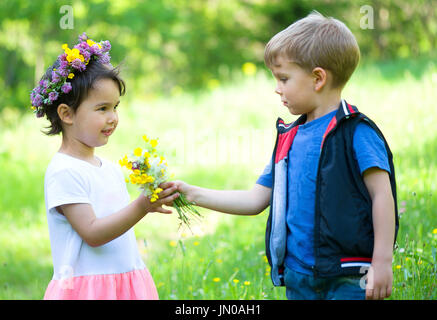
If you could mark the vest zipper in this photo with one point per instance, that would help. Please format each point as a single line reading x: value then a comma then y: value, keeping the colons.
x: 317, y: 213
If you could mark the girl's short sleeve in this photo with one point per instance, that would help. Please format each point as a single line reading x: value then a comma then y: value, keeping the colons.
x: 66, y: 187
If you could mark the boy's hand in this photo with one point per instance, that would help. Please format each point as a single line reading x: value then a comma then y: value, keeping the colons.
x: 166, y: 197
x: 379, y: 281
x: 183, y: 187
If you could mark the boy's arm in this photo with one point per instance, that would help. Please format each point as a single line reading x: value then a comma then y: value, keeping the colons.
x: 380, y: 275
x: 239, y: 202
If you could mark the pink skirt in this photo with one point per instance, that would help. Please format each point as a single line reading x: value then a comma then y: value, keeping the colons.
x: 133, y: 285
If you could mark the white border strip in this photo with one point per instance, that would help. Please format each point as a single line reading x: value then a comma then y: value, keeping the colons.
x: 355, y: 264
x: 346, y: 112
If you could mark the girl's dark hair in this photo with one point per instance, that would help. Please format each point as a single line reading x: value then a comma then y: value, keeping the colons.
x: 81, y: 84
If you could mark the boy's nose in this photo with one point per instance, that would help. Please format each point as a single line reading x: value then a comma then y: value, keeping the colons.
x: 278, y: 90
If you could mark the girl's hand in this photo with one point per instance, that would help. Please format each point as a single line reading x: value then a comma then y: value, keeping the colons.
x: 166, y: 197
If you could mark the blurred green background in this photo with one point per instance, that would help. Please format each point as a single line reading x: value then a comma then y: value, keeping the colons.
x: 196, y: 80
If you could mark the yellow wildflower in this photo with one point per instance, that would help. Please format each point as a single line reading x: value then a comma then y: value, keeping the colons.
x: 434, y: 231
x: 73, y: 54
x: 217, y: 279
x: 145, y: 138
x: 235, y: 281
x: 90, y: 42
x: 154, y: 143
x: 398, y: 267
x: 247, y: 283
x: 173, y: 243
x: 249, y: 68
x: 138, y: 151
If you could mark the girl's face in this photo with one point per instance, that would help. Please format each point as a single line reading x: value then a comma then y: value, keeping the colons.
x: 96, y: 118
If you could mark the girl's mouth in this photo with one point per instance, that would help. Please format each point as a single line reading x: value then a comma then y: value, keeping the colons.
x: 108, y: 132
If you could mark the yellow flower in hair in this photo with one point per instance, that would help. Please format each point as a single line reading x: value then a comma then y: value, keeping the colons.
x: 70, y: 75
x: 90, y: 42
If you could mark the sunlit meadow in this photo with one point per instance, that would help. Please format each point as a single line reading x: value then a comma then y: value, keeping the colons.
x: 223, y: 138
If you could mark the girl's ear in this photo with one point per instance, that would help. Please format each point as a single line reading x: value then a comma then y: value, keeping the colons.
x: 320, y: 76
x: 65, y: 113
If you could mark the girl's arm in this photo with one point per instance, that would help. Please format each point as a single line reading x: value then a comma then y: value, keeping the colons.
x: 380, y: 275
x: 239, y: 202
x: 98, y: 231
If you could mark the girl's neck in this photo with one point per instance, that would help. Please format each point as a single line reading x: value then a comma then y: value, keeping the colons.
x: 78, y: 150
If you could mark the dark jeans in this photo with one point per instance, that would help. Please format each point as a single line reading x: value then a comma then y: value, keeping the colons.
x: 301, y: 286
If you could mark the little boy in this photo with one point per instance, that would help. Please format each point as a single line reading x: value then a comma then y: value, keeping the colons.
x: 330, y: 183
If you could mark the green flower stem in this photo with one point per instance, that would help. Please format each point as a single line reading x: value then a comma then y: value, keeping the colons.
x: 186, y: 211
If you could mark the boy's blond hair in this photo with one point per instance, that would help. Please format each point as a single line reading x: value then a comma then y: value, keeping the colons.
x: 317, y: 41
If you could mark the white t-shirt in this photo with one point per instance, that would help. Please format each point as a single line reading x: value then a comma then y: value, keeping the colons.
x: 71, y: 180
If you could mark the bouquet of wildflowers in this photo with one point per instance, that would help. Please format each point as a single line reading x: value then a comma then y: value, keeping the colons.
x: 148, y: 171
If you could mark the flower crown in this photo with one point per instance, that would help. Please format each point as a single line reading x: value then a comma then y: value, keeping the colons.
x: 71, y: 61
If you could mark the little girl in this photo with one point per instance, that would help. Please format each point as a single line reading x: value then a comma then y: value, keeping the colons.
x: 90, y: 219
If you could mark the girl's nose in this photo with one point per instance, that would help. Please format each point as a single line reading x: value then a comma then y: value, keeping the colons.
x: 113, y: 117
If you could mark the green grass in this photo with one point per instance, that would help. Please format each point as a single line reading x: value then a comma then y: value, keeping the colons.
x: 222, y: 139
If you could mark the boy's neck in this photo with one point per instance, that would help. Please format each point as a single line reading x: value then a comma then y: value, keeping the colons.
x: 324, y: 106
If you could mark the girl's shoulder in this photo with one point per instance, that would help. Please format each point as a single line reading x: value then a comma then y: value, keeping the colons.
x: 62, y: 163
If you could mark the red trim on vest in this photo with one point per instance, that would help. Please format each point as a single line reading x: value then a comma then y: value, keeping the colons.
x: 284, y: 143
x: 331, y: 126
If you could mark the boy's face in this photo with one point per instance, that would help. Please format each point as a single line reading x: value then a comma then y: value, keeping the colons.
x: 294, y: 85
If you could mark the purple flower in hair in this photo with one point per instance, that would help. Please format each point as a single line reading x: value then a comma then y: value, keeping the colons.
x: 105, y: 58
x: 53, y: 96
x: 40, y: 113
x: 37, y: 100
x: 78, y: 65
x: 55, y: 77
x: 106, y: 46
x: 94, y: 49
x: 66, y: 87
x: 83, y: 37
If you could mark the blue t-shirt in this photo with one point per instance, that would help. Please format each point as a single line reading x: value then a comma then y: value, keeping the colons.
x: 304, y: 154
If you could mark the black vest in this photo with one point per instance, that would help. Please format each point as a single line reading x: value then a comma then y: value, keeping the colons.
x: 343, y: 228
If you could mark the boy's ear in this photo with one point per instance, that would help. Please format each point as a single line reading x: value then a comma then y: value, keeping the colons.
x: 65, y: 113
x: 320, y: 78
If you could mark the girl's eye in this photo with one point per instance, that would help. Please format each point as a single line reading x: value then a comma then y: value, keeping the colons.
x: 283, y: 80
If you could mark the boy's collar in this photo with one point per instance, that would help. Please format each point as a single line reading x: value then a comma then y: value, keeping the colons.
x: 345, y: 110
